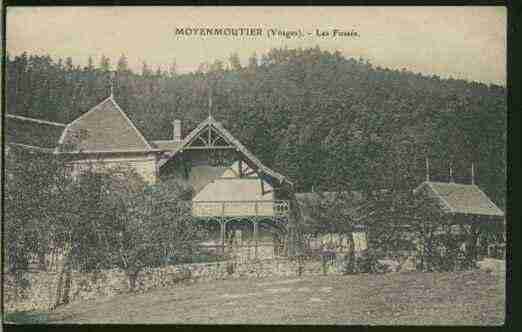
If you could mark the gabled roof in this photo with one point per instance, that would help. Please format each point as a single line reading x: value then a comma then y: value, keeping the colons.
x: 31, y: 133
x: 210, y: 121
x: 104, y: 128
x: 461, y: 198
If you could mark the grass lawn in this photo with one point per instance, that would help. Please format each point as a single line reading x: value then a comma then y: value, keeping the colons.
x: 467, y: 298
x: 26, y: 317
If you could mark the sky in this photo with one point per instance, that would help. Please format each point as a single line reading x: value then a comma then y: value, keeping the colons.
x: 462, y: 42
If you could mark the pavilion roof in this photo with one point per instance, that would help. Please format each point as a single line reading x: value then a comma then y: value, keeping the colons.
x: 460, y: 198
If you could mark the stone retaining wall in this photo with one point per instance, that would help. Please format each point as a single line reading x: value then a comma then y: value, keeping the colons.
x: 29, y: 290
x: 45, y: 290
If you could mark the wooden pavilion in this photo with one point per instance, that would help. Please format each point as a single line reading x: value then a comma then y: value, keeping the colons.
x: 230, y: 184
x: 467, y: 209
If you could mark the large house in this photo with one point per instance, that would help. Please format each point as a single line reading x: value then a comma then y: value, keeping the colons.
x: 229, y: 183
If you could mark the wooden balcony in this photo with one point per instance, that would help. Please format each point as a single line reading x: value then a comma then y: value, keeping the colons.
x: 207, y: 209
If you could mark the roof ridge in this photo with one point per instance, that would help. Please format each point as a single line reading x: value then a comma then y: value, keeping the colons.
x: 423, y: 183
x: 487, y: 197
x: 90, y: 110
x: 32, y: 147
x: 250, y: 155
x: 440, y: 197
x: 24, y: 118
x: 62, y: 137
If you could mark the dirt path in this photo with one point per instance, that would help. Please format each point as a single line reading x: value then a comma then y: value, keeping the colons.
x: 470, y: 298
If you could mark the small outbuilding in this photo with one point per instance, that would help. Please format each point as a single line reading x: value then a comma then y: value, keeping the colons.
x: 470, y: 214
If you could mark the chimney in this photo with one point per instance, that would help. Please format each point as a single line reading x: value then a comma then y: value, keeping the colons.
x: 472, y: 174
x: 176, y: 133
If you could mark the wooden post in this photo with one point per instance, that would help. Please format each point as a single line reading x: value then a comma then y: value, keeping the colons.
x: 255, y: 238
x: 427, y: 169
x: 290, y: 241
x: 223, y: 225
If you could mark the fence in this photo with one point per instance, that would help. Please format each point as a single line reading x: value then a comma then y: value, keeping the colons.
x: 50, y: 261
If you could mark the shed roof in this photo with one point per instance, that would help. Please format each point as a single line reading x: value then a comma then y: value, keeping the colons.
x: 461, y: 198
x: 104, y: 128
x: 201, y: 175
x: 32, y: 133
x: 228, y: 189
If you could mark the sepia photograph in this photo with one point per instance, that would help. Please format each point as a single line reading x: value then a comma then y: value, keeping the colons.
x: 254, y: 165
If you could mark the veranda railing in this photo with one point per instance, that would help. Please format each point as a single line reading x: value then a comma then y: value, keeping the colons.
x: 266, y: 208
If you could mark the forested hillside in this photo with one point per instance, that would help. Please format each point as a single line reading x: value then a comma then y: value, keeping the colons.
x: 324, y: 120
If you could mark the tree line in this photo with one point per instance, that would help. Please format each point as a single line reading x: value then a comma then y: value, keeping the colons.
x: 323, y: 119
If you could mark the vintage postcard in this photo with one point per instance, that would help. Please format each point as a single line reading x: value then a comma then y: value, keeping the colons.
x: 255, y: 165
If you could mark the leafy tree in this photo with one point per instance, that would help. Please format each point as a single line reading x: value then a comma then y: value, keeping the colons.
x: 102, y: 219
x: 252, y: 61
x: 105, y: 63
x: 123, y: 64
x: 90, y: 64
x: 151, y: 224
x: 158, y: 72
x: 69, y: 64
x: 145, y: 70
x: 173, y: 68
x: 235, y: 62
x: 35, y: 215
x: 217, y: 66
x: 124, y: 223
x: 332, y: 212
